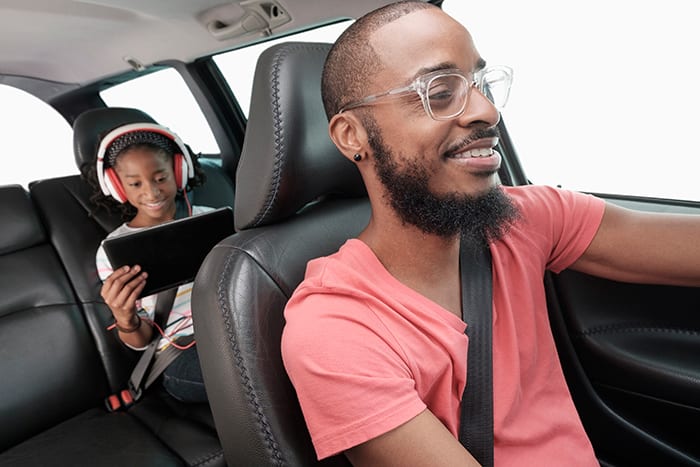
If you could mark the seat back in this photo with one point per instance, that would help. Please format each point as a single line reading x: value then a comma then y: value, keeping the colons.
x: 297, y: 198
x: 47, y: 352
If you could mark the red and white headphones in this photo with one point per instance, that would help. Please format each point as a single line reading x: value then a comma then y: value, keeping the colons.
x: 108, y: 178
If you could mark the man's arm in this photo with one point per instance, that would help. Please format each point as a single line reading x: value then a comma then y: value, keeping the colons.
x: 634, y: 246
x: 422, y: 441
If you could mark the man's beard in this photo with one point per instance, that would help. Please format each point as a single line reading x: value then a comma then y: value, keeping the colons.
x: 480, y: 218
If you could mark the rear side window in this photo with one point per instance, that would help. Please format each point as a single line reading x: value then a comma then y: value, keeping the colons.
x: 164, y: 95
x: 37, y: 140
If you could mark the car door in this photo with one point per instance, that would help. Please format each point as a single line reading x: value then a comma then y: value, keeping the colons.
x: 631, y: 356
x: 630, y: 352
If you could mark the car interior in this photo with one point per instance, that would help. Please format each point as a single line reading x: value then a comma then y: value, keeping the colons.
x: 256, y: 270
x: 70, y: 364
x: 629, y: 351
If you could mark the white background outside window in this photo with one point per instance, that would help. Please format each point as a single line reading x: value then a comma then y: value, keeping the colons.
x: 604, y: 97
x: 605, y: 94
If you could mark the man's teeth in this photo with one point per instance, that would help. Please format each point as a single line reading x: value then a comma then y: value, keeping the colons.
x: 480, y: 152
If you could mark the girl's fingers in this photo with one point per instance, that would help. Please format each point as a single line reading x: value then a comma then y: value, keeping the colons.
x: 126, y: 289
x: 121, y: 289
x: 136, y: 291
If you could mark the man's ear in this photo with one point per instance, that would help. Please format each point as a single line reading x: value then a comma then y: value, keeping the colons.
x: 348, y: 134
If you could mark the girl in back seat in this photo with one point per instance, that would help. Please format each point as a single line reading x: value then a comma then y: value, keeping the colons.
x: 147, y: 170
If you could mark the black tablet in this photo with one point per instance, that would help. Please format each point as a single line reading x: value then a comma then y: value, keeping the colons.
x: 171, y: 253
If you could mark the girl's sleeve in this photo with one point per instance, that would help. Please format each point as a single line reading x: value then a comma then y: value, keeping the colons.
x: 104, y: 267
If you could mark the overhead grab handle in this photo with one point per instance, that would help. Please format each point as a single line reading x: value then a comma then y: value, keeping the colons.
x: 261, y: 16
x: 251, y: 22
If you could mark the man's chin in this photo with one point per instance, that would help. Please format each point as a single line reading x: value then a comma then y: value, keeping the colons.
x: 488, y: 174
x: 481, y: 184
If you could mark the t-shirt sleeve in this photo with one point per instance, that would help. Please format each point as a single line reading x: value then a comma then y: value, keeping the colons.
x: 349, y: 375
x: 104, y: 267
x: 569, y: 219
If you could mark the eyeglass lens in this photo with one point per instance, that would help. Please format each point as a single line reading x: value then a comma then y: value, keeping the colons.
x: 447, y: 94
x: 495, y: 85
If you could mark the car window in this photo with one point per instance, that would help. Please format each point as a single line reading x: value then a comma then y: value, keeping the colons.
x: 238, y: 66
x: 164, y: 95
x: 604, y: 97
x: 37, y: 140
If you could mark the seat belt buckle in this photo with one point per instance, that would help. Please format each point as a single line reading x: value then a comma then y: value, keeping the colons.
x: 113, y: 403
x: 134, y: 393
x: 121, y: 400
x: 127, y: 398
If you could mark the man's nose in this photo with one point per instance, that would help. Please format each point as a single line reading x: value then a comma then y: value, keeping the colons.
x: 479, y: 109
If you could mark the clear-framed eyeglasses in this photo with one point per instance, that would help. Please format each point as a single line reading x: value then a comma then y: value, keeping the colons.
x: 445, y: 93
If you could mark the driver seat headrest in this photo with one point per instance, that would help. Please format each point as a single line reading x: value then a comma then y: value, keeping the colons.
x: 288, y: 159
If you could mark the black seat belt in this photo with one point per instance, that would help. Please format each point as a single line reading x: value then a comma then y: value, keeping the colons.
x: 476, y: 422
x: 150, y: 362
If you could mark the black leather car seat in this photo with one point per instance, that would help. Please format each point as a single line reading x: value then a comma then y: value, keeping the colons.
x: 60, y: 362
x: 297, y: 198
x: 53, y: 376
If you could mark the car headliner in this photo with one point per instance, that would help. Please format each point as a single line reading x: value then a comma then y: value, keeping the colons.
x: 77, y: 42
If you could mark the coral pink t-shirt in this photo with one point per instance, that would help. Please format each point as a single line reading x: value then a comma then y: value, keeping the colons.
x: 366, y: 353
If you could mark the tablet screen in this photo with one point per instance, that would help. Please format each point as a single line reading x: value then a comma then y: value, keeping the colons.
x: 171, y: 253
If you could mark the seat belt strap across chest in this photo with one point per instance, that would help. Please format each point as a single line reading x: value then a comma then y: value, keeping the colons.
x: 476, y: 419
x: 164, y: 304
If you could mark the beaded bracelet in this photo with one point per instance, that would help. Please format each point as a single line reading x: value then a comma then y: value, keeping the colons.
x: 131, y: 329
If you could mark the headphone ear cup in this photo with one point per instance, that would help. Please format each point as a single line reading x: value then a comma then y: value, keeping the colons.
x: 181, y: 171
x: 114, y: 185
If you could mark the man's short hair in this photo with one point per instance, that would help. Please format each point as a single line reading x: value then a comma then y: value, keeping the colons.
x: 351, y: 62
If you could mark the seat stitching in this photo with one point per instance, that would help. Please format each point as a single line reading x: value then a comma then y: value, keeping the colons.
x: 278, y: 130
x: 251, y: 395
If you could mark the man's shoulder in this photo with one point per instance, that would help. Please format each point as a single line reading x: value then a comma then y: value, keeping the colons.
x: 533, y: 191
x: 536, y: 197
x: 340, y: 268
x: 338, y: 276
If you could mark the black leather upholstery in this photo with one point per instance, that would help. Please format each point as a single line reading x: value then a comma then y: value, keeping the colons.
x: 297, y: 198
x: 53, y: 380
x: 57, y: 360
x: 288, y: 159
x: 91, y: 125
x: 46, y: 351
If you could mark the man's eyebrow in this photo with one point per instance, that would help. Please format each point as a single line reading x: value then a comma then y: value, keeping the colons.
x: 437, y: 67
x: 480, y: 65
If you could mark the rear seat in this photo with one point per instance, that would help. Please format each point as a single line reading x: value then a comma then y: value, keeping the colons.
x: 58, y: 361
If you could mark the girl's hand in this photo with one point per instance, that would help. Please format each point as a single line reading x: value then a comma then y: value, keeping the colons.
x: 121, y: 290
